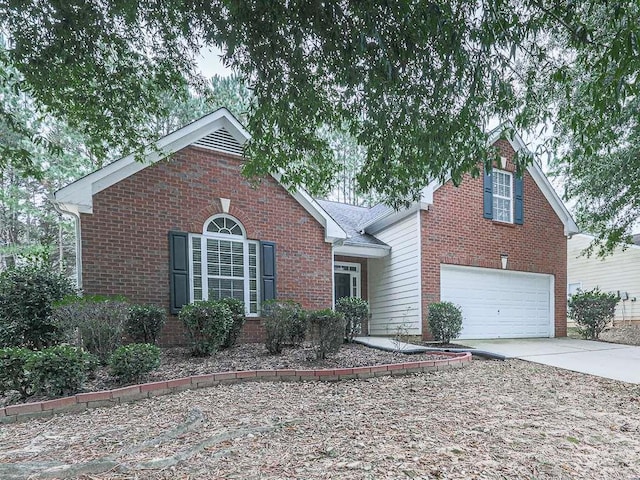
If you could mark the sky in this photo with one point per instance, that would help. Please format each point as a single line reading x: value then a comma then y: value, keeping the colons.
x: 210, y: 64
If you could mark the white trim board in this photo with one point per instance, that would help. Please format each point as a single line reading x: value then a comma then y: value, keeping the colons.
x: 78, y: 196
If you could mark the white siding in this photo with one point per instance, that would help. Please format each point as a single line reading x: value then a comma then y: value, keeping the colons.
x: 617, y: 272
x: 394, y: 281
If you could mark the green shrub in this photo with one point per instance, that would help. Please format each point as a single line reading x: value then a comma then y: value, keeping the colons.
x: 131, y: 362
x: 445, y: 321
x: 326, y: 331
x: 356, y: 312
x: 60, y: 370
x: 238, y: 314
x: 27, y: 294
x: 95, y: 323
x: 208, y: 324
x: 145, y: 322
x: 13, y: 372
x: 284, y: 322
x: 592, y: 310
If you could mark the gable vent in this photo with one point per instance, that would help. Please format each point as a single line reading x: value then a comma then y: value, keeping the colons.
x: 222, y: 141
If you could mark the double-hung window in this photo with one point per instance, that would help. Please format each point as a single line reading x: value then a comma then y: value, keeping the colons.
x: 502, y: 196
x: 224, y: 264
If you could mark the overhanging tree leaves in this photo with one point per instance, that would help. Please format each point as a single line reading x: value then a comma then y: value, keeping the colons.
x: 415, y: 83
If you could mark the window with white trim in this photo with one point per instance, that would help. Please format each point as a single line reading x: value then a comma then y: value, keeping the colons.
x: 224, y: 264
x: 502, y: 196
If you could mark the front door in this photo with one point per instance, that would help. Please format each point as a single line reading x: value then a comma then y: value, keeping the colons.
x: 342, y: 283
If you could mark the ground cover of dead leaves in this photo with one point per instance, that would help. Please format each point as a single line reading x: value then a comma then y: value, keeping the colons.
x: 489, y: 420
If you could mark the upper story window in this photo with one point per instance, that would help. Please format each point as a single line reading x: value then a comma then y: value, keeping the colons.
x: 502, y: 196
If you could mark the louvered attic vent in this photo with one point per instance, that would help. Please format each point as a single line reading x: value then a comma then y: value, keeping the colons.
x: 220, y: 140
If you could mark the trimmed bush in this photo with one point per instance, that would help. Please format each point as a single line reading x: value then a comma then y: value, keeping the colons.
x: 592, y: 311
x: 238, y: 314
x: 356, y: 312
x: 131, y: 362
x: 445, y: 321
x: 27, y: 295
x: 208, y: 324
x: 326, y: 331
x: 145, y: 322
x: 93, y: 322
x: 60, y: 370
x: 13, y: 372
x: 285, y: 323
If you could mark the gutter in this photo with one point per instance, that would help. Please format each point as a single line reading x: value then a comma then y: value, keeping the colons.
x: 76, y: 216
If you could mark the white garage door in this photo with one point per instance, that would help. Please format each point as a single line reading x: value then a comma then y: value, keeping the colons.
x: 499, y: 303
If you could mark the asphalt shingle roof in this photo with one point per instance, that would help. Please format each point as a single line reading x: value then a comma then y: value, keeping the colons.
x: 351, y: 218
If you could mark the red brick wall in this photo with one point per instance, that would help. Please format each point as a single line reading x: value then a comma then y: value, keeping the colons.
x: 125, y: 240
x: 455, y: 232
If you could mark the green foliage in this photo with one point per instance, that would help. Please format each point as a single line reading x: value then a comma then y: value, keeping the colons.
x: 208, y: 324
x: 145, y: 322
x: 13, y: 372
x: 238, y: 313
x: 445, y: 321
x: 592, y: 311
x: 284, y: 322
x: 60, y: 370
x: 356, y: 312
x: 27, y: 294
x: 93, y: 322
x: 413, y: 83
x: 131, y: 362
x: 326, y: 331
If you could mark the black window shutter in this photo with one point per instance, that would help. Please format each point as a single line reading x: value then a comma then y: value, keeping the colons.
x: 518, y: 210
x: 487, y: 199
x: 178, y: 270
x: 268, y: 256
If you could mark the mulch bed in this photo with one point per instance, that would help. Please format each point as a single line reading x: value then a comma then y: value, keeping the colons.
x: 177, y: 363
x: 489, y: 420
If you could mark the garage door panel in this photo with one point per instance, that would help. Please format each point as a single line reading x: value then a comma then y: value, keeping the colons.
x: 498, y: 303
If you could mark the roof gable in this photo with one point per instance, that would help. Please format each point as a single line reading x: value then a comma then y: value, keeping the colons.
x: 219, y: 131
x: 533, y: 169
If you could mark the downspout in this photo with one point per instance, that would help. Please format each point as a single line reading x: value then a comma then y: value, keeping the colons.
x: 78, y: 243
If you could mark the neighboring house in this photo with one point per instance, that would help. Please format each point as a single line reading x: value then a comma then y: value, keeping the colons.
x: 185, y: 226
x: 617, y: 273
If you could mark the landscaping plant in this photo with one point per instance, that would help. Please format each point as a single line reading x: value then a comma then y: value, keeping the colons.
x: 60, y: 370
x: 445, y: 321
x: 95, y: 323
x: 13, y: 372
x: 131, y: 362
x: 356, y: 312
x: 285, y: 323
x: 145, y: 322
x: 208, y: 324
x: 238, y: 314
x: 592, y: 311
x: 27, y: 295
x: 326, y: 331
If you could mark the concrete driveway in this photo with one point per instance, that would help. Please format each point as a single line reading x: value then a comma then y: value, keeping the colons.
x: 608, y: 360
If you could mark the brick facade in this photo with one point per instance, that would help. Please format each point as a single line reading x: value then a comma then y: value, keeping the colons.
x: 125, y: 240
x: 455, y: 232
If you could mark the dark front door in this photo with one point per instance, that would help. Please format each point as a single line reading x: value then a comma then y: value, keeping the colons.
x: 342, y: 285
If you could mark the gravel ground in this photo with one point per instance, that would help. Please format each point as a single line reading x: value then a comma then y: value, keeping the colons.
x: 489, y: 420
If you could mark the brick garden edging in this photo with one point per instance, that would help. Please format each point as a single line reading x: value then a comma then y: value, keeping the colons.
x: 106, y: 398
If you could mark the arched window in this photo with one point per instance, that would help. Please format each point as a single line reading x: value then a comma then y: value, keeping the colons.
x: 224, y: 263
x: 224, y: 225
